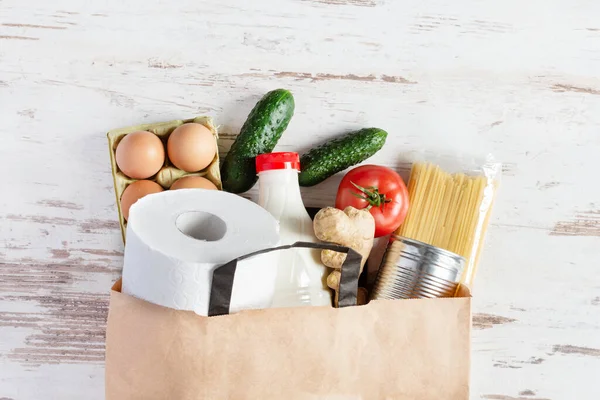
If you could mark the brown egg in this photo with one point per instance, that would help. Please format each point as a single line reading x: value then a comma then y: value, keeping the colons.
x: 191, y: 147
x: 193, y: 182
x: 136, y: 191
x: 140, y: 154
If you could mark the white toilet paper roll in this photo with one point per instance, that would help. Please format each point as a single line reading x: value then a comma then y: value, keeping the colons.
x: 176, y: 238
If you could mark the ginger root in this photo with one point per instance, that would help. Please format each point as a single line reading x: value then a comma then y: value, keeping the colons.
x: 351, y: 228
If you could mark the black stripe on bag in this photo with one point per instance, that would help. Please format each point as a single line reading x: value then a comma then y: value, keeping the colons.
x: 222, y: 281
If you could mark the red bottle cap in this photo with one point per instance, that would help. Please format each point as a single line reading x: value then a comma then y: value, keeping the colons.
x: 270, y: 161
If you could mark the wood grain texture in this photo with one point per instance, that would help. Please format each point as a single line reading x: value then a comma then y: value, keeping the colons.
x: 445, y: 78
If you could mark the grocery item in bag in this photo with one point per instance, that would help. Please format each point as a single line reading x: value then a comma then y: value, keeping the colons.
x: 451, y: 211
x: 191, y: 147
x: 138, y: 152
x: 413, y: 269
x: 352, y: 228
x: 300, y: 273
x: 264, y: 126
x: 176, y: 238
x: 140, y: 155
x: 379, y: 190
x: 340, y: 153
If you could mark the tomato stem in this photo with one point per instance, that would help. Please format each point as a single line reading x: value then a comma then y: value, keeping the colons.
x: 371, y: 195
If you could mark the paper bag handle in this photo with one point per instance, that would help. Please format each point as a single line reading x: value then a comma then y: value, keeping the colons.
x: 222, y: 281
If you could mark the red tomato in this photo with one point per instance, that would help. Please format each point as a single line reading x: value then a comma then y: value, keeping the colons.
x: 379, y: 189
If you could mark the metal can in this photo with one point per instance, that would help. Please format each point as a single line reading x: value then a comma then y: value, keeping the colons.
x: 412, y: 269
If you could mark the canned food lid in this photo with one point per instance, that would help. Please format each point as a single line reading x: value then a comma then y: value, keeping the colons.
x: 434, y: 256
x: 418, y: 243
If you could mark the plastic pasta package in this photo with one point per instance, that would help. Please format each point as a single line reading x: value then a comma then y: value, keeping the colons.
x: 450, y: 207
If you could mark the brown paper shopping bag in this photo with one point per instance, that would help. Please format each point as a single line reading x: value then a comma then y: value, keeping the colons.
x: 388, y: 349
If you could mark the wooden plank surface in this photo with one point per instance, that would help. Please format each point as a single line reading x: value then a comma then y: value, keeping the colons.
x: 445, y: 78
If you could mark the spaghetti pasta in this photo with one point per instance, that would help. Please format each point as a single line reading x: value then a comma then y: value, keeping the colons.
x: 448, y: 211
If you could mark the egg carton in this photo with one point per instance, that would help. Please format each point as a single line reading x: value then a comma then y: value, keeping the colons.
x: 168, y: 174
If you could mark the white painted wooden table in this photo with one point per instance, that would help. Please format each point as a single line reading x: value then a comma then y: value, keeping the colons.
x: 515, y: 78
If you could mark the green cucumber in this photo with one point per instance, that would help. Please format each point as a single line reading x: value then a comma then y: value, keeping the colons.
x: 259, y: 134
x: 338, y: 154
